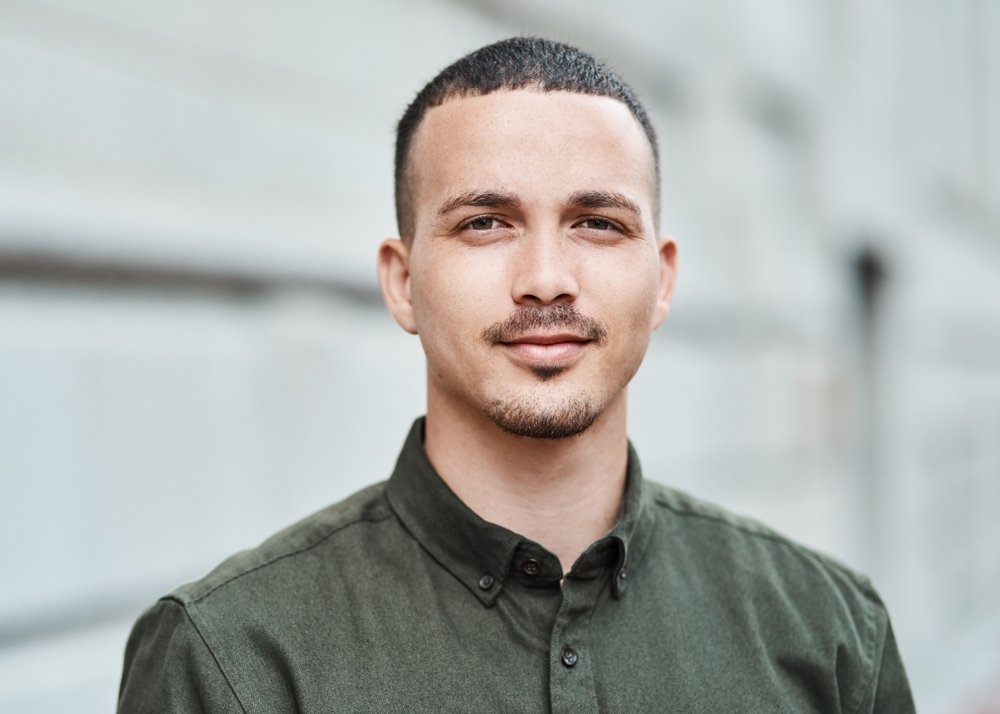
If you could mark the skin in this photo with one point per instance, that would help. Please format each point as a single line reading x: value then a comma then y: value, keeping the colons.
x: 537, y: 204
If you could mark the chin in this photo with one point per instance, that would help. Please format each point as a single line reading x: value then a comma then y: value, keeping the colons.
x: 535, y: 418
x: 545, y: 372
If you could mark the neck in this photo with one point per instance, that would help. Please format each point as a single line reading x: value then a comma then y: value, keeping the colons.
x: 563, y: 494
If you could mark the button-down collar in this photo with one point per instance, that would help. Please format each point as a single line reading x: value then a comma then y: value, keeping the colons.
x: 482, y: 555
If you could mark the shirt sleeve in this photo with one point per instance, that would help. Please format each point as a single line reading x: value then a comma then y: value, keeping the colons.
x: 170, y: 668
x: 892, y: 689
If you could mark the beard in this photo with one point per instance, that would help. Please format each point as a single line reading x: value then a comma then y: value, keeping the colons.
x: 531, y: 417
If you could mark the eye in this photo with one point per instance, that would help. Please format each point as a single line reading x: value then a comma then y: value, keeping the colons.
x: 595, y: 223
x: 482, y: 223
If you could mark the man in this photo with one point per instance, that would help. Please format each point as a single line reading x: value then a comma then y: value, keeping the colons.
x: 516, y: 560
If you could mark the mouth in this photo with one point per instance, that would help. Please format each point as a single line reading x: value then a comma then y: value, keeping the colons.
x: 554, y: 348
x: 546, y: 339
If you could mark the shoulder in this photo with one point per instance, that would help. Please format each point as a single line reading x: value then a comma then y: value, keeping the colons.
x: 808, y: 617
x: 340, y: 526
x: 715, y: 530
x: 739, y: 563
x: 804, y: 609
x: 256, y: 616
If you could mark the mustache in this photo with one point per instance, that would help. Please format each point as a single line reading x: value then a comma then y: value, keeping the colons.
x: 533, y: 317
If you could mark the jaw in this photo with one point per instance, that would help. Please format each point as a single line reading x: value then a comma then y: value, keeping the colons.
x: 541, y: 401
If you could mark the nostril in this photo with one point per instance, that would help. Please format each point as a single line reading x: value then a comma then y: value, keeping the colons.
x: 560, y: 299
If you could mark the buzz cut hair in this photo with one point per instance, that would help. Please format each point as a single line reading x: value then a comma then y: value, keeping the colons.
x: 515, y: 63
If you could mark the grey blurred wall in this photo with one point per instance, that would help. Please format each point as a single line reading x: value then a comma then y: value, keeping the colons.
x: 193, y: 353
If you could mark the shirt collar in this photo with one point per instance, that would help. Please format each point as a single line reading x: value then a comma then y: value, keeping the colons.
x: 481, y: 554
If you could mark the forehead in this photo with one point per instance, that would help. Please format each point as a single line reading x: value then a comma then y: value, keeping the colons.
x: 523, y: 140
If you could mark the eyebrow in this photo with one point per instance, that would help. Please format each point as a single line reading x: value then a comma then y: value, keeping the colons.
x: 487, y: 199
x: 603, y: 199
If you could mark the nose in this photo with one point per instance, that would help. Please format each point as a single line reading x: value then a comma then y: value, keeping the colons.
x: 544, y: 272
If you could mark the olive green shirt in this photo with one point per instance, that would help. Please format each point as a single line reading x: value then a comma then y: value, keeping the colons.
x: 402, y: 599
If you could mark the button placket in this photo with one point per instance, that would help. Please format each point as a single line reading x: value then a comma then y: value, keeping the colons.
x: 571, y: 676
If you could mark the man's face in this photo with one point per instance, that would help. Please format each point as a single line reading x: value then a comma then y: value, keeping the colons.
x: 534, y: 277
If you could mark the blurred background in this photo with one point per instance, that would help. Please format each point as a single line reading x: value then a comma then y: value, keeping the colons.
x: 193, y: 351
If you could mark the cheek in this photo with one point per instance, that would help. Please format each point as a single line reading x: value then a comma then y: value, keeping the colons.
x: 453, y: 303
x: 637, y: 324
x: 629, y: 296
x: 648, y: 291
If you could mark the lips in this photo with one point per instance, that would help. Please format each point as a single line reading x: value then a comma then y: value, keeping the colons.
x: 546, y: 337
x: 553, y: 339
x: 546, y: 348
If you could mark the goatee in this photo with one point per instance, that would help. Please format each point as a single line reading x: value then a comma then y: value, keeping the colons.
x: 529, y: 417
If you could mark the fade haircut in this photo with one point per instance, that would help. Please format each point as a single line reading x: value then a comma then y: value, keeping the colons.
x: 515, y: 63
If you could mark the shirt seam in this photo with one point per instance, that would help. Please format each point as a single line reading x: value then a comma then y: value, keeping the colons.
x: 204, y: 641
x: 869, y: 600
x: 872, y: 628
x: 291, y: 553
x: 800, y: 550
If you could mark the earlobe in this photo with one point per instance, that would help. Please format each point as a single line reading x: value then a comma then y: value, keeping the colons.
x: 667, y: 255
x: 394, y: 279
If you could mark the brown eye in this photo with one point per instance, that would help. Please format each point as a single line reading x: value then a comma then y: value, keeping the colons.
x: 598, y: 224
x: 483, y: 223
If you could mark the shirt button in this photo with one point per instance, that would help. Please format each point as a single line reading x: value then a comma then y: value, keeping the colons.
x: 531, y: 567
x: 486, y: 582
x: 569, y: 656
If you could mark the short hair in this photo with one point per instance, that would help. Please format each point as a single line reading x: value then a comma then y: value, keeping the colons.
x: 514, y: 63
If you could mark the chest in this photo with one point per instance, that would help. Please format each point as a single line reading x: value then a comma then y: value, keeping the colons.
x: 534, y: 650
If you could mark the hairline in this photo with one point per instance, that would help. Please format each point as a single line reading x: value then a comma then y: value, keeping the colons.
x: 404, y: 176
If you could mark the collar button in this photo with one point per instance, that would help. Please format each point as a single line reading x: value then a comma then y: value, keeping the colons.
x: 486, y: 582
x: 531, y: 567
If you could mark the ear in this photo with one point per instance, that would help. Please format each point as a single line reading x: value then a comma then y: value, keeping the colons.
x: 394, y: 278
x: 667, y: 254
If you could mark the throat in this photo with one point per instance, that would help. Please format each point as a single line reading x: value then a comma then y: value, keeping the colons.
x: 561, y: 493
